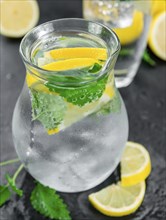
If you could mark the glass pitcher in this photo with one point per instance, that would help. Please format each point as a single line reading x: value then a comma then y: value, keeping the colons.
x: 130, y: 19
x: 70, y: 124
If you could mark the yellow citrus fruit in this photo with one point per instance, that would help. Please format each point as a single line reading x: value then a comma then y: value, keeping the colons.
x: 79, y: 52
x: 70, y: 64
x: 61, y: 66
x: 116, y: 200
x: 158, y: 6
x: 18, y: 17
x: 157, y: 36
x: 130, y: 34
x: 135, y: 164
x: 53, y: 131
x: 110, y: 91
x: 31, y: 79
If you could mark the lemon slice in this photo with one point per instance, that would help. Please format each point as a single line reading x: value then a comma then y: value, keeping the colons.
x: 31, y: 79
x: 135, y: 164
x: 18, y: 17
x: 78, y: 52
x: 60, y: 66
x: 157, y: 36
x: 70, y: 64
x: 130, y: 34
x: 116, y: 200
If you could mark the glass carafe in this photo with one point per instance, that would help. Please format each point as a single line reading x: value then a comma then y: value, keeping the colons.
x: 130, y: 19
x: 70, y: 126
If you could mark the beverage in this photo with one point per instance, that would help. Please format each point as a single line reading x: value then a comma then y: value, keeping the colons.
x: 130, y: 20
x: 67, y: 120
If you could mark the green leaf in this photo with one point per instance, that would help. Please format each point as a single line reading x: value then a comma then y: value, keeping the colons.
x: 95, y: 68
x: 48, y: 203
x: 83, y: 95
x: 49, y: 109
x: 112, y: 106
x: 147, y: 58
x: 13, y: 186
x: 4, y: 194
x: 126, y: 52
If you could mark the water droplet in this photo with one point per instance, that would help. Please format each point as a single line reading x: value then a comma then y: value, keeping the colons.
x: 74, y: 99
x: 82, y: 97
x: 9, y: 76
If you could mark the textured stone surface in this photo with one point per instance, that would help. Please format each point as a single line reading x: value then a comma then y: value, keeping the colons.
x: 145, y: 101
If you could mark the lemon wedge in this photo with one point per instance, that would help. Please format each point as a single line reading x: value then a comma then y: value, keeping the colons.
x: 78, y: 52
x: 31, y: 79
x: 157, y: 35
x: 18, y: 17
x: 70, y: 64
x: 130, y: 34
x: 135, y: 164
x: 116, y: 200
x: 60, y: 66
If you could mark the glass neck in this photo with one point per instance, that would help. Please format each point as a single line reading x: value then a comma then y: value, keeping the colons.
x: 71, y: 78
x: 46, y: 35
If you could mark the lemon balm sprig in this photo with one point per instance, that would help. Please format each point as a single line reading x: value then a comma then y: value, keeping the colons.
x: 9, y: 162
x: 43, y: 199
x: 10, y: 187
x: 147, y: 58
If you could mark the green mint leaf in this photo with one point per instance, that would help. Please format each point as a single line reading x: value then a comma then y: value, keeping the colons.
x: 105, y: 110
x: 147, y: 58
x: 48, y: 203
x: 13, y: 186
x: 112, y: 106
x: 81, y: 95
x: 126, y: 52
x: 49, y: 109
x: 4, y: 194
x: 95, y: 68
x: 115, y: 104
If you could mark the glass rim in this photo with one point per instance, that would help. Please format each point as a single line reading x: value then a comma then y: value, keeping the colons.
x: 44, y: 72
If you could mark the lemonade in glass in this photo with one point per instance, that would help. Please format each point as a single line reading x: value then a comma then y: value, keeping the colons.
x: 130, y: 19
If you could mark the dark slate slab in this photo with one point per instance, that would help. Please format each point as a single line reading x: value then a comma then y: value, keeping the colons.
x: 145, y: 101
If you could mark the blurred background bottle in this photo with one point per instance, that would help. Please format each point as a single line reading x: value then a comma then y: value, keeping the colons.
x: 130, y: 20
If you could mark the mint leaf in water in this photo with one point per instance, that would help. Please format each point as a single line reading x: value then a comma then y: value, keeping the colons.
x: 95, y: 68
x: 83, y: 95
x: 13, y: 186
x: 49, y: 109
x: 113, y: 106
x: 4, y: 194
x: 48, y: 203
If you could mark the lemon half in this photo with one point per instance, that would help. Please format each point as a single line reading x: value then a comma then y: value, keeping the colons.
x: 18, y: 17
x: 157, y: 35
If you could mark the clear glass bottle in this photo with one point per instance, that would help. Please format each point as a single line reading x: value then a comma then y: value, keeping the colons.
x: 69, y: 126
x: 130, y: 20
